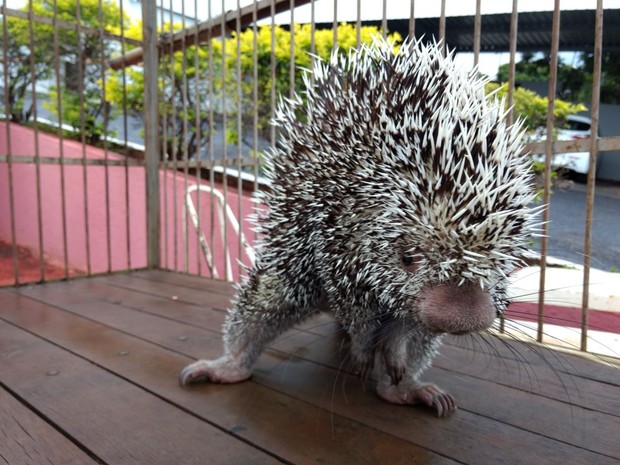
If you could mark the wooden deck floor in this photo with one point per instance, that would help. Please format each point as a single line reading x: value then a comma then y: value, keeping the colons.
x: 88, y: 374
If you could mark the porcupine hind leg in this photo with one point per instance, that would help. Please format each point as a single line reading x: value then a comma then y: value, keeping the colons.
x: 410, y: 390
x: 266, y: 306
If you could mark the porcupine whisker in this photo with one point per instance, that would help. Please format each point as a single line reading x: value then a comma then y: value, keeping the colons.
x: 560, y: 341
x: 556, y: 320
x: 523, y: 338
x: 472, y: 337
x: 541, y: 352
x: 522, y: 364
x: 494, y: 355
x: 494, y: 352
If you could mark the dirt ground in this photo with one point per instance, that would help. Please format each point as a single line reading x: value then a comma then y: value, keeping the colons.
x: 29, y: 267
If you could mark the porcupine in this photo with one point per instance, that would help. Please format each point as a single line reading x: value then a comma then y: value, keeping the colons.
x: 400, y: 202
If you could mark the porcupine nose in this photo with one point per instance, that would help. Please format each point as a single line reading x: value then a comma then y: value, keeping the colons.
x: 454, y: 309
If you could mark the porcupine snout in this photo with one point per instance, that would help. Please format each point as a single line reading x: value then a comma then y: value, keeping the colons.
x: 450, y: 308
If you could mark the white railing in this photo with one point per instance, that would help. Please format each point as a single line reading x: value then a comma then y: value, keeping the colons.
x: 222, y: 206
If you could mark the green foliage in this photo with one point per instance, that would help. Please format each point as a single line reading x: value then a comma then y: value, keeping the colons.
x: 574, y: 82
x: 82, y: 114
x: 82, y: 103
x: 28, y: 59
x: 81, y: 54
x: 184, y: 93
x: 211, y: 78
x: 569, y: 79
x: 532, y: 108
x: 244, y: 42
x: 610, y: 77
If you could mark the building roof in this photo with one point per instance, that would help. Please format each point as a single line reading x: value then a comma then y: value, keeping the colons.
x: 534, y: 30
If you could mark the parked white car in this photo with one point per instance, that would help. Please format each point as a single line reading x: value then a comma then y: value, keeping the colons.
x: 577, y: 127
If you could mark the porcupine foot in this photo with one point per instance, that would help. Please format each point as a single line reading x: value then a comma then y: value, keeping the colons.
x: 222, y: 370
x: 409, y: 392
x: 261, y: 313
x: 363, y: 365
x: 394, y: 354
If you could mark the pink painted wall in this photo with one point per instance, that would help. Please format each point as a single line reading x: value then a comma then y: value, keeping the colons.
x: 113, y: 244
x: 180, y: 251
x: 76, y: 227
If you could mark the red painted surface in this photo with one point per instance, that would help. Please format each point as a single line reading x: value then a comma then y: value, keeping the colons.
x: 599, y: 320
x: 126, y: 247
x: 113, y: 227
x: 78, y: 224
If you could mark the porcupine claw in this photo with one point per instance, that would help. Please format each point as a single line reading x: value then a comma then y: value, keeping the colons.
x: 411, y: 393
x: 364, y: 369
x: 396, y: 373
x: 221, y: 370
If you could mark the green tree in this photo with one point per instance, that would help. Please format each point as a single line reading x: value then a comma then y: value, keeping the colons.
x: 184, y: 79
x: 610, y: 77
x: 532, y: 108
x: 201, y: 80
x: 569, y: 79
x: 323, y: 46
x: 574, y: 82
x: 35, y: 49
x: 27, y: 59
x: 82, y: 102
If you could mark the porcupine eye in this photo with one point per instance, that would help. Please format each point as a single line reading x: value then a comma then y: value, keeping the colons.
x: 409, y: 260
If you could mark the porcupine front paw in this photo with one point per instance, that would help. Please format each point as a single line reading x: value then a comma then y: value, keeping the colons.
x: 411, y: 393
x: 363, y: 363
x: 394, y: 359
x: 396, y: 372
x: 222, y: 370
x: 363, y: 368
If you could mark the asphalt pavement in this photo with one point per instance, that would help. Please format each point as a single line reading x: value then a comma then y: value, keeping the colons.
x: 567, y: 214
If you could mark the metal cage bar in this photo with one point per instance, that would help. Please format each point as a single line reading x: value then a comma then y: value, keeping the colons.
x: 547, y: 173
x: 9, y: 155
x: 238, y: 92
x: 37, y: 152
x: 594, y: 115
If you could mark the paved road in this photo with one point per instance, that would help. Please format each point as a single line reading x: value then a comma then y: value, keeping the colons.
x: 567, y: 226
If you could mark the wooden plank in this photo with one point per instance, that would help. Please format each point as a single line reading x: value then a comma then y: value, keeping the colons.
x: 187, y: 280
x: 536, y: 378
x: 538, y: 369
x: 561, y: 421
x: 289, y: 428
x: 470, y: 437
x: 117, y: 421
x: 532, y: 357
x: 539, y: 357
x: 535, y: 356
x: 169, y: 291
x: 26, y: 438
x: 83, y: 296
x: 506, y: 405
